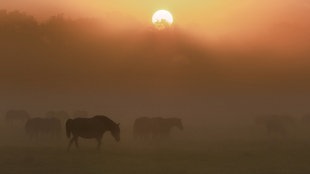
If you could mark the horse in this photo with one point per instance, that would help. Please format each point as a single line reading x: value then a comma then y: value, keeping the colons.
x: 36, y: 127
x: 156, y: 127
x: 93, y: 127
x: 16, y: 116
x: 162, y: 126
x: 142, y: 128
x: 276, y: 125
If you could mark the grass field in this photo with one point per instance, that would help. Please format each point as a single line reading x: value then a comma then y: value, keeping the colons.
x: 182, y: 157
x: 238, y: 153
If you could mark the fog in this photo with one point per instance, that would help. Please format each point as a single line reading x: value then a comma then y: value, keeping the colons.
x: 87, y: 63
x: 217, y: 86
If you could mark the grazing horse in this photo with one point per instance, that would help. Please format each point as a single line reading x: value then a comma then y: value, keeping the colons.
x: 276, y: 125
x: 36, y: 127
x: 93, y: 127
x: 162, y: 126
x: 154, y: 128
x: 142, y: 128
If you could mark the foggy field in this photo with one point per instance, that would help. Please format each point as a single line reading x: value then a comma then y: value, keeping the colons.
x: 180, y: 155
x: 224, y: 157
x: 222, y: 90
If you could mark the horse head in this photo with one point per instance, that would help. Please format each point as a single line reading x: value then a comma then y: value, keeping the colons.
x: 115, y: 131
x: 179, y: 124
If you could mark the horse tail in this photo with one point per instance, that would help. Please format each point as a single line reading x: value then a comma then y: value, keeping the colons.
x: 68, y: 127
x: 27, y: 128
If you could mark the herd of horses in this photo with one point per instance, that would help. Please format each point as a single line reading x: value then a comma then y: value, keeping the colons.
x: 144, y: 128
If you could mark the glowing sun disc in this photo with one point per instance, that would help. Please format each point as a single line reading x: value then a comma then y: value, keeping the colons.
x: 162, y: 17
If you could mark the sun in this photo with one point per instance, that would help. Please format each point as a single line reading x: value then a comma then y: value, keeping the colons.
x: 162, y: 19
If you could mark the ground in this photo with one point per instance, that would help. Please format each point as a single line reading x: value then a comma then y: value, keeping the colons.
x: 181, y: 157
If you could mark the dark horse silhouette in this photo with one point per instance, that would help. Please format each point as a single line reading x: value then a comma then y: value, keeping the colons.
x: 155, y: 128
x: 93, y: 127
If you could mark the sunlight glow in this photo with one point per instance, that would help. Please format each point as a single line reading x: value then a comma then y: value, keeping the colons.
x: 162, y: 19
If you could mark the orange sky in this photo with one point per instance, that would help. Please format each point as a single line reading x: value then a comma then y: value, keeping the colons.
x: 280, y: 25
x: 212, y: 13
x: 242, y: 24
x: 238, y: 21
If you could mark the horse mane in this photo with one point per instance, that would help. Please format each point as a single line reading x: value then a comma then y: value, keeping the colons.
x: 105, y: 119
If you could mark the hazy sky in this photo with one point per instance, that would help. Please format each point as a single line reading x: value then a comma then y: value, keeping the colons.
x: 199, y: 12
x: 227, y: 20
x: 249, y: 43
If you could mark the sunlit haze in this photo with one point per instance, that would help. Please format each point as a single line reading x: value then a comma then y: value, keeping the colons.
x: 181, y: 86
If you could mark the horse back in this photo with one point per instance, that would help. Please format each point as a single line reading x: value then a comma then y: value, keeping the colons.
x: 85, y: 127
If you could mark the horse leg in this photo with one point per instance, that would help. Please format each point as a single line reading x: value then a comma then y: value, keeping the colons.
x: 70, y: 143
x: 99, y: 142
x: 76, y: 142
